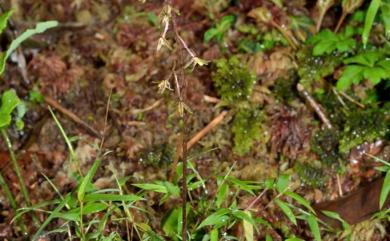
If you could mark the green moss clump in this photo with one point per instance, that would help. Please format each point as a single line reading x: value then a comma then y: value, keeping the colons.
x: 246, y: 129
x: 312, y: 69
x: 334, y: 110
x: 310, y: 175
x: 233, y: 80
x: 363, y: 126
x: 325, y: 144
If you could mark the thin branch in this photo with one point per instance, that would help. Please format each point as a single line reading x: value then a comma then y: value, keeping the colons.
x: 218, y: 119
x: 53, y: 103
x: 315, y: 106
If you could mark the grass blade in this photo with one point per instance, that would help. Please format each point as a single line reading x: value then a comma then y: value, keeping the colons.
x: 314, y: 227
x: 385, y: 190
x: 287, y: 211
x: 39, y: 28
x: 87, y: 179
x: 369, y: 21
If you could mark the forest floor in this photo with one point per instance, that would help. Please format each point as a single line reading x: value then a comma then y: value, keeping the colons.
x: 103, y: 53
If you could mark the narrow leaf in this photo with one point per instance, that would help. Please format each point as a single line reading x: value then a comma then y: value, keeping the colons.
x: 4, y: 19
x: 369, y: 21
x: 314, y: 227
x: 111, y: 197
x: 385, y: 190
x: 287, y: 211
x: 39, y: 28
x: 87, y: 180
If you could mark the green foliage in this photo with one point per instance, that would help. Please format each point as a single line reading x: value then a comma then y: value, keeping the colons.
x: 326, y: 42
x: 258, y: 42
x: 219, y: 30
x: 35, y: 96
x: 10, y: 102
x: 39, y: 28
x: 385, y: 14
x: 233, y: 80
x: 385, y: 190
x: 363, y: 126
x: 88, y: 204
x: 246, y: 129
x: 4, y: 19
x: 370, y: 65
x: 369, y: 20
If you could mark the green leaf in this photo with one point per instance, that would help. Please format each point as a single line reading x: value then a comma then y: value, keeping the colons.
x: 336, y: 216
x: 385, y: 190
x: 69, y: 216
x: 87, y: 180
x: 222, y: 194
x: 39, y: 28
x: 385, y: 14
x: 374, y: 75
x: 170, y: 222
x: 326, y: 41
x: 4, y: 19
x: 93, y: 197
x: 282, y: 183
x: 217, y: 219
x: 299, y: 199
x: 244, y: 215
x: 9, y: 101
x: 152, y: 187
x: 214, y: 235
x: 314, y: 227
x: 369, y: 21
x: 286, y: 210
x: 248, y: 228
x: 94, y: 207
x: 368, y: 58
x: 294, y: 239
x: 268, y: 238
x: 160, y: 187
x: 220, y: 29
x: 351, y: 74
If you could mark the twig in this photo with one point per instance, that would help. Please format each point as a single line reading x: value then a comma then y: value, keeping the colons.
x: 211, y: 99
x: 151, y: 107
x: 206, y: 129
x: 53, y: 103
x: 339, y: 185
x: 351, y: 99
x: 256, y: 199
x: 315, y: 106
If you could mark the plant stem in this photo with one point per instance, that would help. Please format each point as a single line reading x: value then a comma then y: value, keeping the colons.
x: 16, y: 167
x: 18, y: 172
x: 12, y: 202
x: 184, y: 185
x: 7, y: 193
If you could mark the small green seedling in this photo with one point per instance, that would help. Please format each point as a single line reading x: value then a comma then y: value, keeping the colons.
x: 219, y: 30
x: 39, y: 28
x: 373, y: 66
x: 326, y: 42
